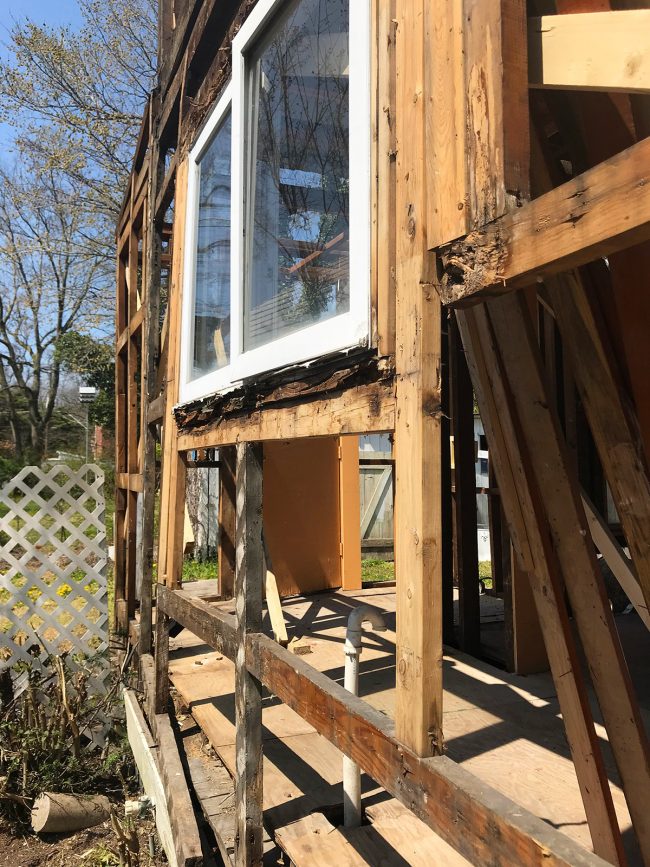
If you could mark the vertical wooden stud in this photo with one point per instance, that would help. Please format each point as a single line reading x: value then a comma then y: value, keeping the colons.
x: 150, y: 335
x: 462, y: 415
x: 350, y: 510
x: 226, y: 554
x: 161, y: 685
x: 418, y: 501
x: 249, y: 581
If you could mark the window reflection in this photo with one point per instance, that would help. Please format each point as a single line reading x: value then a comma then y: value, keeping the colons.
x: 212, y: 279
x: 298, y: 253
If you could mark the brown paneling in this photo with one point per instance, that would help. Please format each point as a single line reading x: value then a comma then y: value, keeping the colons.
x: 302, y: 513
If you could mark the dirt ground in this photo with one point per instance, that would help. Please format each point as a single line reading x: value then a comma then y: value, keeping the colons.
x: 94, y: 847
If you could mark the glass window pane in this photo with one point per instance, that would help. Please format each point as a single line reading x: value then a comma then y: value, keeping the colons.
x: 298, y: 243
x: 212, y: 277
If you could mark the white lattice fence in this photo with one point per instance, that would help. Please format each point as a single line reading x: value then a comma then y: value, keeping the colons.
x: 53, y: 561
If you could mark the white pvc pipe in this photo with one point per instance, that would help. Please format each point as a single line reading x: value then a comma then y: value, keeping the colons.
x: 351, y: 771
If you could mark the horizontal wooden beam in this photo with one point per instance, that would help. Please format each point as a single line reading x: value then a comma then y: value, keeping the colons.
x: 129, y: 482
x: 597, y: 213
x: 156, y: 409
x: 132, y: 328
x: 363, y: 409
x: 591, y: 51
x: 216, y: 628
x: 479, y: 822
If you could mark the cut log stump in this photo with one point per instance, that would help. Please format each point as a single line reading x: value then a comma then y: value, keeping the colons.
x: 54, y: 814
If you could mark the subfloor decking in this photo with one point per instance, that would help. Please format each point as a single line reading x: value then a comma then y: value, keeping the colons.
x: 505, y: 729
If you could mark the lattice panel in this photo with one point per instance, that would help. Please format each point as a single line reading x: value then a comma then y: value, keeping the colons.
x: 53, y: 563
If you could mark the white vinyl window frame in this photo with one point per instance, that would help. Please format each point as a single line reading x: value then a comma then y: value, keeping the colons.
x: 340, y: 332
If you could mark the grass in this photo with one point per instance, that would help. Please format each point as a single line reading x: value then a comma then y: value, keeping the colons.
x: 374, y: 569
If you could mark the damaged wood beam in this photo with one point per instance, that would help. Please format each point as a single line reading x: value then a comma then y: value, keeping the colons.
x: 477, y: 86
x: 358, y: 409
x: 597, y: 213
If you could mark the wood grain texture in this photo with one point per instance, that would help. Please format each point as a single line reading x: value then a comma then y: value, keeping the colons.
x: 597, y: 213
x: 532, y: 545
x: 418, y: 497
x: 249, y: 581
x: 591, y: 51
x: 560, y: 493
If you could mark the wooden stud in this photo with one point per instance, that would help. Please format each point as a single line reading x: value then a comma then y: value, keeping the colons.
x: 611, y: 416
x: 226, y: 552
x: 559, y: 490
x: 534, y: 551
x: 384, y: 260
x: 249, y: 580
x: 350, y: 510
x: 161, y: 683
x: 150, y: 336
x: 172, y: 500
x: 418, y: 500
x: 466, y: 542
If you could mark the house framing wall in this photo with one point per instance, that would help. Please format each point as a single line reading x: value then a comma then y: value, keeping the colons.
x: 459, y: 141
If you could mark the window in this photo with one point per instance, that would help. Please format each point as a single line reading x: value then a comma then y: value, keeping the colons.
x: 206, y: 303
x: 297, y: 231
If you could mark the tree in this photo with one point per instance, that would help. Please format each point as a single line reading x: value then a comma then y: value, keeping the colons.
x: 52, y: 280
x: 75, y: 100
x: 77, y: 97
x: 93, y: 361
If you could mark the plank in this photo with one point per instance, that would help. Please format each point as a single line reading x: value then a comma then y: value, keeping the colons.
x: 146, y: 754
x: 215, y: 790
x: 179, y: 803
x: 623, y: 570
x: 464, y: 496
x: 595, y: 214
x: 535, y: 557
x: 357, y: 410
x: 559, y: 491
x: 591, y: 51
x: 274, y: 607
x: 349, y: 510
x: 612, y: 417
x: 481, y: 824
x: 249, y: 578
x: 417, y: 448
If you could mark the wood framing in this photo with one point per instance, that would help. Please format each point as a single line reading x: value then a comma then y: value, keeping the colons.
x: 249, y: 582
x: 604, y: 210
x: 418, y: 501
x: 505, y: 262
x: 591, y: 51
